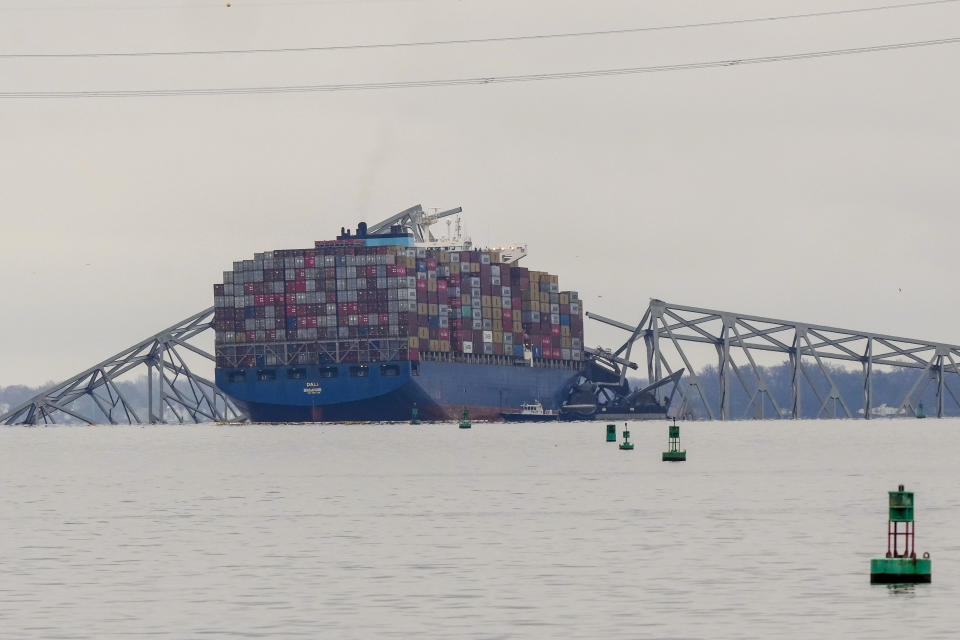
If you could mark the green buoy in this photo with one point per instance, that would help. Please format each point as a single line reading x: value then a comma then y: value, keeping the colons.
x: 920, y: 412
x: 626, y: 445
x: 673, y: 453
x: 611, y: 433
x: 415, y: 415
x: 900, y: 565
x: 465, y: 419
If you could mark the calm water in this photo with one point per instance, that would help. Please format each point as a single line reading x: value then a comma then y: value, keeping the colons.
x: 539, y: 531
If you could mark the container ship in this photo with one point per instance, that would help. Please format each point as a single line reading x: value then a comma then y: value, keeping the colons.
x: 389, y: 318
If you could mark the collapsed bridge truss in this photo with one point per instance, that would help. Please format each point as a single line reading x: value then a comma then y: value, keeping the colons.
x: 174, y: 390
x: 667, y: 328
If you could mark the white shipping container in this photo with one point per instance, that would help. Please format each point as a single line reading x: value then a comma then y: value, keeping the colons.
x: 468, y: 347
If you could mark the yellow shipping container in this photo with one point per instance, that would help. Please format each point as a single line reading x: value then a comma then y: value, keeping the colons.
x: 422, y: 308
x: 454, y: 268
x: 432, y: 286
x: 565, y: 330
x: 424, y: 333
x: 474, y: 267
x: 465, y: 298
x: 554, y: 280
x: 445, y: 346
x: 497, y: 324
x: 444, y: 257
x: 433, y: 345
x: 545, y: 297
x: 517, y: 326
x: 411, y: 263
x: 413, y: 342
x: 486, y: 301
x: 564, y: 298
x: 434, y: 309
x: 497, y: 336
x: 565, y: 342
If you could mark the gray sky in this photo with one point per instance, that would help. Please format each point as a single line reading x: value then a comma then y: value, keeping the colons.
x: 812, y: 190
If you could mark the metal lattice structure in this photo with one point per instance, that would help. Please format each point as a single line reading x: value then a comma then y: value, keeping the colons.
x: 173, y: 388
x: 668, y: 327
x: 414, y: 219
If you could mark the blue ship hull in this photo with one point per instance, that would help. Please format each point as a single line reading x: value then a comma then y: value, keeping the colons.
x: 389, y: 391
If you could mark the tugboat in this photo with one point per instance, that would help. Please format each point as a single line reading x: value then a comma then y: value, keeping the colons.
x: 530, y: 412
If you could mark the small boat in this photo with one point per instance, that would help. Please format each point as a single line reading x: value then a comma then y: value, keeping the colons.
x: 465, y: 419
x: 530, y: 412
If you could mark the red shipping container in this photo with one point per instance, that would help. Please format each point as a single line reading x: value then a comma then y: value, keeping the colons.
x: 312, y: 322
x: 443, y: 334
x: 421, y: 285
x: 384, y: 319
x: 545, y: 342
x: 507, y: 315
x: 554, y: 330
x: 259, y: 301
x: 330, y: 273
x: 251, y: 336
x: 292, y: 311
x: 517, y: 303
x: 441, y: 286
x: 272, y: 336
x: 248, y: 289
x: 301, y: 323
x: 498, y: 348
x: 414, y: 354
x: 301, y: 286
x: 310, y: 261
x: 431, y: 264
x: 290, y: 286
x: 364, y: 320
x: 218, y: 289
x: 556, y: 354
x: 301, y: 274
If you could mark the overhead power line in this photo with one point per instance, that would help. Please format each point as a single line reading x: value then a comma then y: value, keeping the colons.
x: 466, y: 41
x: 412, y: 84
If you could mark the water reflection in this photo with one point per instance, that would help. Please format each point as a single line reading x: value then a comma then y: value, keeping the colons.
x: 902, y: 589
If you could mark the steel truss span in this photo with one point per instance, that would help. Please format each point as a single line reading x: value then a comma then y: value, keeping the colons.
x: 173, y: 389
x: 667, y: 328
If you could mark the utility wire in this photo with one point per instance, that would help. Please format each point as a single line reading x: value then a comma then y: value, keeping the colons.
x: 413, y: 84
x: 434, y: 43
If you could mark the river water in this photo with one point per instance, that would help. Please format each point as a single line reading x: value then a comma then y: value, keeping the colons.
x: 502, y: 531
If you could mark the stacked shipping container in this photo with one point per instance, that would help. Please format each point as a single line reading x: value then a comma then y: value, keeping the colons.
x: 346, y: 302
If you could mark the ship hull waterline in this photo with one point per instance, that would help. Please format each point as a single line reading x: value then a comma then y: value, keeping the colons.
x: 390, y: 391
